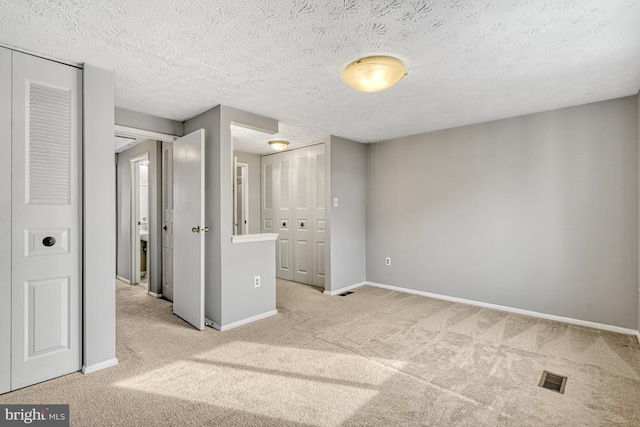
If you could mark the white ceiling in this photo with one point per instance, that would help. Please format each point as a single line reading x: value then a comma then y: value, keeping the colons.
x: 469, y: 61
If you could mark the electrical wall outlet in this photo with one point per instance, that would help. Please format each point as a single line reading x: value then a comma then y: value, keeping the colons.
x: 387, y: 261
x: 256, y: 282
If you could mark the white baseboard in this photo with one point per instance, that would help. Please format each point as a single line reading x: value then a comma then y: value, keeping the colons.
x: 99, y: 366
x: 244, y: 321
x: 153, y: 294
x: 345, y: 289
x: 123, y: 279
x: 562, y: 319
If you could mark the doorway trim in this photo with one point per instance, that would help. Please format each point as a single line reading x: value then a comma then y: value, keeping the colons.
x: 134, y: 209
x: 141, y: 135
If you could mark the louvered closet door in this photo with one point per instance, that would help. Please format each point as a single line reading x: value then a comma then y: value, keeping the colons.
x: 5, y: 220
x: 167, y: 220
x: 284, y: 214
x: 46, y: 215
x: 318, y: 224
x: 303, y: 213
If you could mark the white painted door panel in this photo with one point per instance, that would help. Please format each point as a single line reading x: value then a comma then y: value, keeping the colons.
x: 188, y: 228
x: 318, y: 224
x: 5, y: 220
x: 285, y: 221
x: 167, y: 220
x: 302, y: 197
x: 46, y: 216
x: 267, y: 195
x: 293, y: 193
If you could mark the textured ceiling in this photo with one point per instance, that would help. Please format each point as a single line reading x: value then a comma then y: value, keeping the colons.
x: 469, y: 61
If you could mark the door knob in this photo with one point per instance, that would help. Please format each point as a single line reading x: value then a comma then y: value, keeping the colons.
x: 49, y: 241
x: 195, y: 229
x: 165, y: 228
x: 284, y: 224
x: 302, y: 225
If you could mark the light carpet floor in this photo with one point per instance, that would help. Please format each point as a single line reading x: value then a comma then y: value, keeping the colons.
x: 373, y: 358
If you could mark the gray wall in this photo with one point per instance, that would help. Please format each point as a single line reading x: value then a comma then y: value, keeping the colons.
x: 138, y: 120
x: 347, y: 247
x: 538, y: 212
x: 229, y: 296
x: 638, y: 326
x: 254, y: 189
x: 210, y: 122
x: 99, y: 193
x: 240, y: 300
x: 154, y: 254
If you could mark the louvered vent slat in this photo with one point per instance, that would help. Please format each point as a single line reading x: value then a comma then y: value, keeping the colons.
x: 48, y: 145
x: 284, y: 185
x: 320, y: 179
x: 302, y: 183
x: 268, y: 187
x: 165, y: 178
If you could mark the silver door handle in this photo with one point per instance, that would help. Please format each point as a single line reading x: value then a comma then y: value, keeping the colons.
x: 195, y: 229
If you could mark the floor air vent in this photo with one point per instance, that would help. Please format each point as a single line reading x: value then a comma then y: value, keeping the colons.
x: 344, y: 294
x: 553, y: 382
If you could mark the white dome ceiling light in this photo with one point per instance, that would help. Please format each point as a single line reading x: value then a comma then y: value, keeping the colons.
x: 374, y: 73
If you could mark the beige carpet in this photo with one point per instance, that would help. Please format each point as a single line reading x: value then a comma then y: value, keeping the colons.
x: 373, y: 358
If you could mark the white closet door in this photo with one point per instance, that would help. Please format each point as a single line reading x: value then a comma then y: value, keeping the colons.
x: 285, y: 221
x: 267, y: 195
x: 46, y: 216
x: 303, y: 214
x: 167, y: 220
x: 317, y: 205
x: 5, y: 220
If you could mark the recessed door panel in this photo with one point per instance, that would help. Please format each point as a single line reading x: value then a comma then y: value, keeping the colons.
x: 47, y: 309
x: 284, y: 250
x: 320, y: 253
x: 45, y: 241
x: 302, y: 267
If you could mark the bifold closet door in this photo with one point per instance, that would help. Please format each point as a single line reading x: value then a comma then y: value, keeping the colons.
x: 293, y: 206
x: 318, y: 214
x: 167, y: 220
x: 5, y: 220
x: 284, y: 215
x: 46, y: 220
x: 303, y: 216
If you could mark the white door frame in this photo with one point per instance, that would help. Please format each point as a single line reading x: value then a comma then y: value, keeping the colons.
x: 134, y: 192
x: 135, y: 133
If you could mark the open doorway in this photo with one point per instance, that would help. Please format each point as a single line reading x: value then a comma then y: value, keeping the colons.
x: 141, y: 195
x: 140, y: 244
